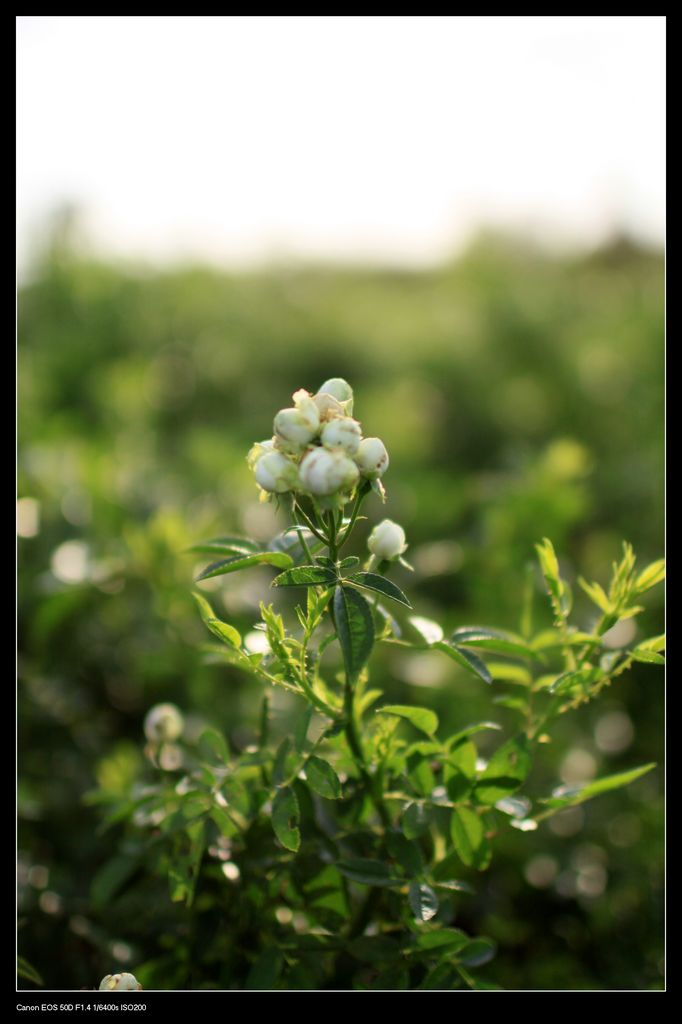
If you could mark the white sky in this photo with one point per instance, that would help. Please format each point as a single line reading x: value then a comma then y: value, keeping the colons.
x: 376, y: 138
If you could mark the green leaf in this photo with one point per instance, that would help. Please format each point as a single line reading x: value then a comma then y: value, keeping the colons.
x: 550, y: 638
x: 476, y: 953
x: 650, y: 576
x: 440, y: 977
x: 492, y: 640
x: 428, y: 630
x: 443, y: 939
x: 457, y: 783
x: 646, y: 656
x: 467, y: 659
x: 462, y: 758
x: 582, y: 677
x: 367, y: 699
x: 108, y: 879
x: 423, y: 901
x: 286, y: 818
x: 524, y: 824
x: 265, y: 971
x: 301, y: 730
x: 468, y: 837
x: 390, y: 625
x: 305, y: 576
x: 183, y: 872
x: 548, y: 563
x: 406, y: 853
x: 373, y: 581
x: 368, y: 872
x: 28, y: 971
x: 355, y: 628
x: 569, y: 796
x: 224, y: 822
x: 479, y: 984
x: 415, y: 821
x: 470, y: 730
x: 225, y: 546
x: 596, y: 594
x: 322, y: 778
x: 228, y: 634
x: 395, y: 978
x: 454, y: 885
x: 287, y: 544
x: 653, y: 643
x: 374, y: 948
x: 427, y: 748
x: 628, y: 613
x: 506, y: 770
x: 213, y: 747
x: 350, y: 562
x: 422, y: 718
x: 225, y: 565
x: 516, y: 806
x: 420, y: 774
x: 283, y: 763
x: 503, y: 671
x: 559, y: 591
x: 518, y: 704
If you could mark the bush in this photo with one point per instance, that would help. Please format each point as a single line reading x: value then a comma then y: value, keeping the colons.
x: 517, y: 396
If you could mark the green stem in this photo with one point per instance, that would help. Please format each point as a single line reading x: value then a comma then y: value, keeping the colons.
x: 311, y: 526
x: 351, y: 728
x: 301, y: 536
x: 331, y: 543
x: 359, y: 498
x: 355, y: 745
x: 320, y: 704
x: 607, y: 620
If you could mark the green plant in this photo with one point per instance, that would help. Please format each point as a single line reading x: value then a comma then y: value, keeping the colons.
x: 347, y: 842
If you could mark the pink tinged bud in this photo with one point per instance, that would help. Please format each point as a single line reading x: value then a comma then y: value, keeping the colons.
x: 276, y: 473
x: 325, y: 472
x: 372, y: 458
x: 387, y: 540
x: 342, y: 432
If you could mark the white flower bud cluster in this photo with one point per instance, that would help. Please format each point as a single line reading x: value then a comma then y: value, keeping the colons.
x: 318, y: 447
x: 119, y: 983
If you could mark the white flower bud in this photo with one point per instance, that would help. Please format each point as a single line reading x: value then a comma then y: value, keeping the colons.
x: 300, y: 396
x: 342, y: 432
x: 120, y: 983
x: 325, y: 472
x: 387, y: 540
x: 170, y: 757
x: 341, y: 390
x: 297, y: 427
x: 163, y: 723
x: 305, y: 404
x: 277, y: 473
x: 372, y: 458
x: 257, y: 451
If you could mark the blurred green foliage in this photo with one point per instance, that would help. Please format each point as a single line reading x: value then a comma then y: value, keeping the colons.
x: 519, y: 396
